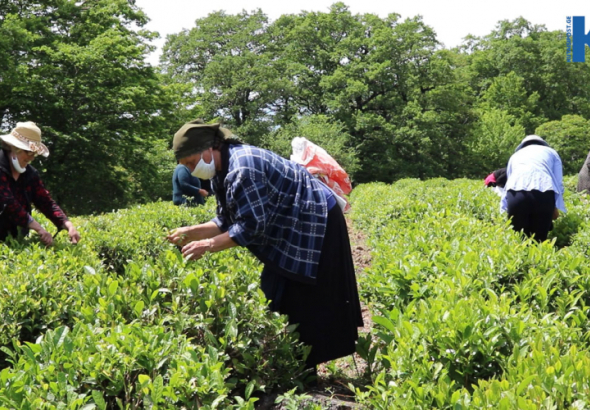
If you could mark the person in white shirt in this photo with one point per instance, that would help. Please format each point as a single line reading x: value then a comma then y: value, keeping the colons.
x: 534, y: 188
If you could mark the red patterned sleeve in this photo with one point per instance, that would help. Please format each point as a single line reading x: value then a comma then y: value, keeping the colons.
x: 11, y: 207
x: 46, y: 205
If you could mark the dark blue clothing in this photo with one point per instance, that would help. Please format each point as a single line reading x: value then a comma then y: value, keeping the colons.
x: 531, y: 212
x: 279, y: 211
x: 329, y: 311
x: 185, y: 187
x: 329, y: 197
x: 272, y: 206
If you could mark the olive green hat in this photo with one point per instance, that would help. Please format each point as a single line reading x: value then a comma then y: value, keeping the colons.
x: 196, y: 136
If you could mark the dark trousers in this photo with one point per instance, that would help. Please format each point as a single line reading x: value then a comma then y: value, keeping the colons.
x: 531, y: 212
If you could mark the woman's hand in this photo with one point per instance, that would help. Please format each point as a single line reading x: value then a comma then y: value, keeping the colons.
x: 555, y: 214
x: 203, y: 193
x: 181, y: 236
x: 196, y: 249
x: 46, y: 237
x: 186, y: 234
x: 72, y: 232
x: 74, y: 235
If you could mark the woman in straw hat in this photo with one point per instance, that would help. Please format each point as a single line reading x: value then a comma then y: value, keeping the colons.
x: 288, y: 220
x: 21, y: 187
x: 533, y: 194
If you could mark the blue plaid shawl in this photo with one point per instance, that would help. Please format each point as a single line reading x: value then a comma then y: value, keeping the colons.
x: 274, y: 207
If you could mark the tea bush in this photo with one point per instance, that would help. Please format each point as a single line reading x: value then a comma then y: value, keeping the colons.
x: 123, y: 321
x: 467, y: 312
x: 470, y: 314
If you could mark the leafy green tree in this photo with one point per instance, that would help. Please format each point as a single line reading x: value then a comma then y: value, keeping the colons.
x: 224, y: 58
x: 521, y: 68
x: 570, y: 137
x: 310, y: 47
x: 386, y: 80
x: 82, y: 77
x: 507, y: 93
x: 495, y: 136
x: 411, y: 108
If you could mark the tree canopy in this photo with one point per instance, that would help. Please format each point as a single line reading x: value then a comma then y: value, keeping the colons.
x: 78, y: 70
x: 380, y: 93
x: 409, y: 107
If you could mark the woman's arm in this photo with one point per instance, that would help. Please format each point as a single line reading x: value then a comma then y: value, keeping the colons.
x: 195, y: 250
x: 187, y: 182
x: 186, y: 234
x: 46, y: 205
x: 190, y: 186
x: 45, y: 236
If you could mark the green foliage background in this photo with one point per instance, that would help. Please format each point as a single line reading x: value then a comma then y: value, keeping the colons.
x: 468, y: 315
x: 379, y: 93
x: 123, y: 321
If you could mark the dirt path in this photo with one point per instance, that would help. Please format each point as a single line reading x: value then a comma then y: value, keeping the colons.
x: 332, y: 391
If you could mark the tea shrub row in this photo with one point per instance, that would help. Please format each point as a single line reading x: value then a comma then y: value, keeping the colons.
x: 469, y: 314
x: 123, y: 321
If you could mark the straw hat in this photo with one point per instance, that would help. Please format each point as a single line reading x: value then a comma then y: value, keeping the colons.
x: 26, y: 136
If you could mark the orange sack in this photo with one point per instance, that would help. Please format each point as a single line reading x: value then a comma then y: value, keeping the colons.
x: 322, y: 166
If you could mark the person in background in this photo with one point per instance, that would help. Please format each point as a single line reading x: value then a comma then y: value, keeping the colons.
x: 497, y: 180
x: 534, y: 188
x: 290, y: 221
x: 186, y: 188
x: 21, y: 187
x: 584, y: 176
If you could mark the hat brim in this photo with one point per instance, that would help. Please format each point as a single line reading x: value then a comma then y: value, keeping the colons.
x: 532, y: 138
x: 37, y: 147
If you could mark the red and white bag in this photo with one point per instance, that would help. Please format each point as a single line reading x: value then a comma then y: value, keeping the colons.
x: 322, y: 166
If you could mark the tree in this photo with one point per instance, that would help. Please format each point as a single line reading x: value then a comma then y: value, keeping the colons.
x: 81, y: 76
x: 385, y: 80
x: 233, y: 78
x: 507, y: 93
x: 408, y: 107
x: 570, y: 137
x: 526, y: 61
x: 494, y: 137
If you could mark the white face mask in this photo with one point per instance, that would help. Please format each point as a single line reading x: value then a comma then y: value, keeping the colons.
x: 16, y: 165
x: 204, y: 170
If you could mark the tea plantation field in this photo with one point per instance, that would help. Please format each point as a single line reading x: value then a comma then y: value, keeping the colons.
x: 469, y: 314
x: 466, y: 313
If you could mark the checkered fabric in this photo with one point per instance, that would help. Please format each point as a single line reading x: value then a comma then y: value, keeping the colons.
x: 274, y: 207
